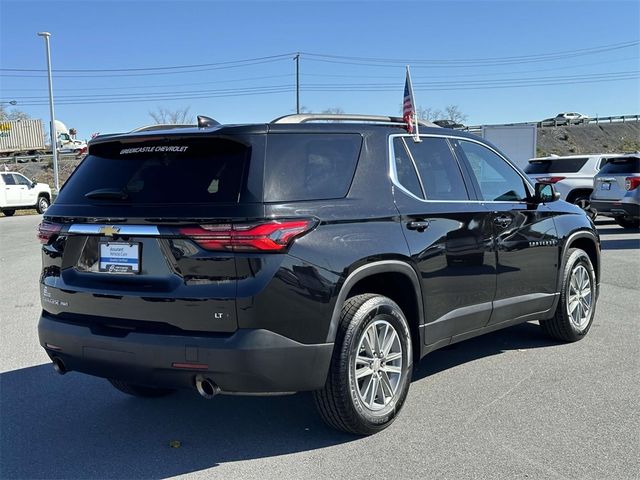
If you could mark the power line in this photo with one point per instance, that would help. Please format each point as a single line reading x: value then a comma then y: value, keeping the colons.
x: 444, y: 86
x: 233, y: 80
x: 472, y: 62
x: 142, y: 69
x: 20, y: 75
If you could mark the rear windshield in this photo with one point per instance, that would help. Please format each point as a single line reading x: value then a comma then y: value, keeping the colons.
x: 560, y: 165
x: 309, y: 166
x: 622, y: 165
x: 175, y: 171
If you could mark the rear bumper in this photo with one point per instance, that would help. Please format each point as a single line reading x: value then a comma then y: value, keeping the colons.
x: 249, y: 361
x: 617, y: 208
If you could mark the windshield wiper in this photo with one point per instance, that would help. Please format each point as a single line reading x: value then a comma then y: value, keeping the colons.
x: 107, y: 194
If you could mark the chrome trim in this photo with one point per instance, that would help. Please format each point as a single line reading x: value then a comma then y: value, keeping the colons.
x: 393, y: 174
x: 124, y: 230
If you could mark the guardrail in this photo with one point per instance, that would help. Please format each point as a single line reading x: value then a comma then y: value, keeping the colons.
x: 37, y: 158
x: 564, y: 123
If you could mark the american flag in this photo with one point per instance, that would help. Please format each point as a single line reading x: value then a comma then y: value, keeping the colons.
x: 408, y: 108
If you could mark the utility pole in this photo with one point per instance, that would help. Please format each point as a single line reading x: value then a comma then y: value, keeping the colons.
x: 52, y: 130
x: 297, y: 58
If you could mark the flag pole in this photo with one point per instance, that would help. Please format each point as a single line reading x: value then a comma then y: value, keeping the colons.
x: 416, y: 137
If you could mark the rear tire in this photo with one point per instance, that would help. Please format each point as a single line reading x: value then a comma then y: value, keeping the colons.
x: 8, y: 213
x: 583, y: 201
x: 140, y: 390
x: 370, y: 371
x: 576, y: 308
x: 626, y: 222
x: 42, y: 205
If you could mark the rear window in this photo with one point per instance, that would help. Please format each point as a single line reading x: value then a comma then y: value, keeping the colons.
x: 560, y: 165
x: 622, y: 165
x: 309, y: 166
x: 172, y: 171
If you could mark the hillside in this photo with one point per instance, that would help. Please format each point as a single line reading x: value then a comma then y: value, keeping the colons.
x: 602, y: 138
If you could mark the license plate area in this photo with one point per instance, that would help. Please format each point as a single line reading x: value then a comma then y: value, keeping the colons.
x: 605, y: 186
x: 119, y: 257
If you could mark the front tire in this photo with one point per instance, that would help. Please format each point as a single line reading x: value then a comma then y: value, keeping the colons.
x: 140, y: 390
x: 8, y: 213
x: 370, y: 371
x: 576, y: 308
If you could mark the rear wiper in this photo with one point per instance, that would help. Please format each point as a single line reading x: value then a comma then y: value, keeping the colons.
x: 107, y: 194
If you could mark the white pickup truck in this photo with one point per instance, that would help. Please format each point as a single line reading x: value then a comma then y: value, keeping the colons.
x: 17, y: 192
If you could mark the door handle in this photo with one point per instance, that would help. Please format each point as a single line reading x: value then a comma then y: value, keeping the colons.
x: 502, y: 220
x: 420, y: 225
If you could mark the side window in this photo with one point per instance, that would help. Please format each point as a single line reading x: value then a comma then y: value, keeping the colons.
x: 498, y: 181
x: 405, y: 170
x: 20, y: 180
x: 439, y: 170
x: 8, y: 179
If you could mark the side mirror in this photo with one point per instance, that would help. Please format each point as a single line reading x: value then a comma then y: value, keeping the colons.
x: 33, y: 182
x: 544, y: 193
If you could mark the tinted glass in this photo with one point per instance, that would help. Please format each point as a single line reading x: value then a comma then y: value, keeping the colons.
x: 405, y: 170
x: 177, y: 171
x: 20, y: 180
x: 438, y: 169
x: 560, y: 165
x: 498, y: 181
x: 309, y: 167
x: 8, y: 179
x: 622, y: 165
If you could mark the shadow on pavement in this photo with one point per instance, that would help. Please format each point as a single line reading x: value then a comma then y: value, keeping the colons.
x: 621, y: 244
x: 518, y: 337
x: 76, y: 426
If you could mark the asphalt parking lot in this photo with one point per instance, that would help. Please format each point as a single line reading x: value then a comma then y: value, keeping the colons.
x: 511, y: 404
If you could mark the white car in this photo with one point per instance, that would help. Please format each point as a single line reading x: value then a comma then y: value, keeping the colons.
x: 566, y: 118
x: 17, y: 192
x: 571, y: 175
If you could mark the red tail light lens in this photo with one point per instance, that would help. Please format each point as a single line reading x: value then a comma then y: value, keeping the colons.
x: 48, y: 230
x: 274, y: 236
x: 550, y: 179
x: 631, y: 183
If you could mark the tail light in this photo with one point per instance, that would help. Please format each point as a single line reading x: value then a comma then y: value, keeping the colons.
x: 273, y: 236
x: 550, y: 179
x: 48, y: 230
x: 631, y: 183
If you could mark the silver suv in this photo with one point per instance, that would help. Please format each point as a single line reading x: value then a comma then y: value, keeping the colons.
x: 572, y: 175
x: 616, y: 191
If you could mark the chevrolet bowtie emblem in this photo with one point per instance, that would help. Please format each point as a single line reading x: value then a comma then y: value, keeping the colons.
x: 109, y: 231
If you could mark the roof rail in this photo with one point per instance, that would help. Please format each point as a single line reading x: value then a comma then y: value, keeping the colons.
x: 345, y: 117
x: 160, y: 126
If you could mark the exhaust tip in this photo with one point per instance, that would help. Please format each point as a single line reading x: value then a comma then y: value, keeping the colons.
x: 59, y: 366
x: 206, y: 387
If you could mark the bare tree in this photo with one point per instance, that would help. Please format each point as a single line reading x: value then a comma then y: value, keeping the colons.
x: 454, y: 114
x: 428, y: 113
x: 178, y: 116
x: 334, y: 110
x: 13, y: 115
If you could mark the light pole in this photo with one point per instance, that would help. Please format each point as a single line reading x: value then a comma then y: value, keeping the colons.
x: 52, y: 130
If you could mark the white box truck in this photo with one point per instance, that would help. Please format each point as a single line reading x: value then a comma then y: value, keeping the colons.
x: 21, y: 137
x: 518, y: 142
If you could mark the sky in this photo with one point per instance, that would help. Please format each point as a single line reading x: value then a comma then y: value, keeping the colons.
x: 499, y: 61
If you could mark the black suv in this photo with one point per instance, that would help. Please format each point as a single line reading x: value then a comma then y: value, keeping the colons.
x: 313, y: 253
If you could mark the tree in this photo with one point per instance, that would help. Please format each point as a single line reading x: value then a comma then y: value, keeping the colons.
x: 166, y: 116
x: 428, y: 113
x: 334, y: 110
x: 454, y: 114
x: 13, y: 115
